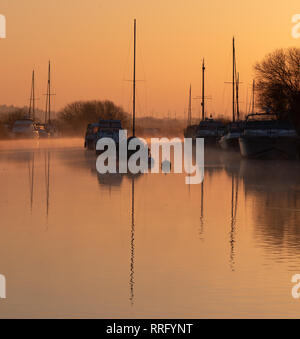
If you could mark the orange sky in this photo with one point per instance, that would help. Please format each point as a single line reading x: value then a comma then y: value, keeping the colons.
x: 90, y: 42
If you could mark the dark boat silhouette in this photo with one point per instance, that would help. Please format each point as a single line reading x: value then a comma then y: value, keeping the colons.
x: 267, y: 137
x: 230, y: 139
x: 210, y: 130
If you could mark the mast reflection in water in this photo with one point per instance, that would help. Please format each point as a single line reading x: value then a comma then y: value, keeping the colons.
x: 249, y: 218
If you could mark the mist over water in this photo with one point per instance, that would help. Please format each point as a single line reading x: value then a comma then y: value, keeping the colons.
x: 78, y: 244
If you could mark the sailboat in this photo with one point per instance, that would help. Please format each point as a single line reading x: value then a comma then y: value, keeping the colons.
x: 230, y: 140
x: 267, y: 137
x: 208, y: 129
x: 131, y: 152
x: 26, y: 127
x: 134, y: 83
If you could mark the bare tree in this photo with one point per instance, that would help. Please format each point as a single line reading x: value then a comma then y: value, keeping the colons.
x: 278, y: 84
x: 75, y: 116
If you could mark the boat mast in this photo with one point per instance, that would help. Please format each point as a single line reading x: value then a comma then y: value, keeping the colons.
x: 237, y: 96
x: 32, y: 100
x: 190, y: 107
x: 203, y: 91
x: 48, y: 97
x: 233, y: 81
x: 253, y: 97
x: 134, y: 80
x: 33, y: 96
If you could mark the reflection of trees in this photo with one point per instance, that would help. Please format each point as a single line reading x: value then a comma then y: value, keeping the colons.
x: 276, y: 218
x: 86, y: 161
x: 272, y: 190
x: 276, y: 211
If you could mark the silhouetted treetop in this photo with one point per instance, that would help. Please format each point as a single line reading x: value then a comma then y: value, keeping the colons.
x: 278, y: 83
x: 76, y: 116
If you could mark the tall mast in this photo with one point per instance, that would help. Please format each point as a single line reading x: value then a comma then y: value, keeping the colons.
x: 134, y: 80
x: 32, y: 99
x: 203, y: 91
x: 190, y: 107
x: 237, y: 96
x: 49, y: 93
x: 233, y: 81
x: 253, y: 97
x: 48, y: 98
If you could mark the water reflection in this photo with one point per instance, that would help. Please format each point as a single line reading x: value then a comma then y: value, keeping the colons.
x: 110, y: 180
x: 274, y: 190
x: 32, y: 159
x: 234, y: 207
x: 202, y: 212
x: 132, y: 244
x: 114, y: 181
x: 31, y: 178
x: 99, y: 225
x: 47, y: 156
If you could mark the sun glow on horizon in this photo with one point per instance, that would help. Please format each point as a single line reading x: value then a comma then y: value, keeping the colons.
x: 90, y: 46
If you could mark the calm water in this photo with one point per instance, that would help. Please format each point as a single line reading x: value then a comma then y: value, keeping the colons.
x: 75, y: 244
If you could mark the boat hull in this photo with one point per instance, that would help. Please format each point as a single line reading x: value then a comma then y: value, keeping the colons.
x: 191, y: 132
x: 229, y: 144
x: 269, y: 148
x: 209, y: 141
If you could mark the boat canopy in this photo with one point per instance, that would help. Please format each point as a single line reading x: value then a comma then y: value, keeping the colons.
x: 211, y: 124
x: 110, y: 124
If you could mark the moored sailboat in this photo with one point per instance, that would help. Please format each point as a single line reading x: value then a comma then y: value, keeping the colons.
x: 267, y: 137
x: 209, y: 129
x: 230, y: 139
